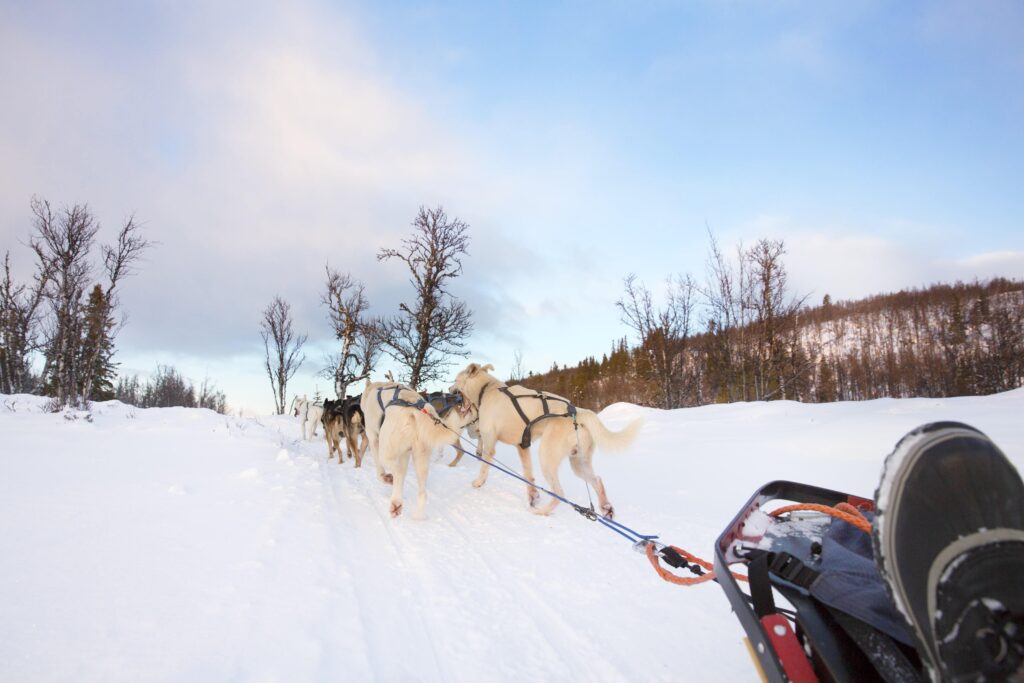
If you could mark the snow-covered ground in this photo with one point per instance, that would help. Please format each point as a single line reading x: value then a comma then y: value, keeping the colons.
x: 181, y: 545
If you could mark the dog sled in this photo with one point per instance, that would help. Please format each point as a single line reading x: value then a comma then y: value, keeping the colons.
x: 782, y: 540
x: 923, y: 583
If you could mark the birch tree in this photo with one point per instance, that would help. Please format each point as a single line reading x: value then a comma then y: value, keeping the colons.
x: 282, y: 348
x: 63, y: 243
x: 664, y: 334
x: 347, y: 306
x: 21, y: 309
x: 431, y: 329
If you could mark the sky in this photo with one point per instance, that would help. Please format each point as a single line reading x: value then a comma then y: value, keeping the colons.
x: 581, y: 141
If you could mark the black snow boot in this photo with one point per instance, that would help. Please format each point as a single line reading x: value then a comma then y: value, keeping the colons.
x: 949, y: 541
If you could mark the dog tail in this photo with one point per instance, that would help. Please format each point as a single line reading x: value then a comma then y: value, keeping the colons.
x: 606, y: 439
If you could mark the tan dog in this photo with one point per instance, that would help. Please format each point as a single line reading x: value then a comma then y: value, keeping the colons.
x: 552, y: 422
x: 375, y: 399
x: 413, y: 427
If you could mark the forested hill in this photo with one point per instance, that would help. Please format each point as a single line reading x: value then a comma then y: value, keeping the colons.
x: 945, y: 340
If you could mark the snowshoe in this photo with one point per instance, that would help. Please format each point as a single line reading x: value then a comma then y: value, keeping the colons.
x: 949, y: 539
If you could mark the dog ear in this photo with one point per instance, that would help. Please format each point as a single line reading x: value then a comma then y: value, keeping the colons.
x: 472, y: 368
x: 487, y: 367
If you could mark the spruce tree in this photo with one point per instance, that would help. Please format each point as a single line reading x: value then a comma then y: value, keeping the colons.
x: 98, y: 343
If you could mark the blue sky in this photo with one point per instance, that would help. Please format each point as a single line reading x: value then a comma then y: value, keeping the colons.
x: 581, y: 141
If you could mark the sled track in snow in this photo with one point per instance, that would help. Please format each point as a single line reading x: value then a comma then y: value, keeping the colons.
x: 436, y: 559
x: 364, y: 577
x: 595, y: 666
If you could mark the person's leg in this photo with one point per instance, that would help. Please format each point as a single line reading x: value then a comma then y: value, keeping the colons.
x: 949, y: 542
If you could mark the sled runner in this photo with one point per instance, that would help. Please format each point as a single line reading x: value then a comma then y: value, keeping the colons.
x: 820, y: 566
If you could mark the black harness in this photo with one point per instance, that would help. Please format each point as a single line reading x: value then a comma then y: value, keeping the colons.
x: 396, y: 401
x: 342, y: 407
x: 570, y: 410
x: 443, y: 403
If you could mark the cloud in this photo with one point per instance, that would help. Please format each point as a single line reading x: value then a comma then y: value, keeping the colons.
x: 263, y: 151
x: 258, y: 146
x: 848, y: 262
x: 257, y: 142
x: 989, y: 265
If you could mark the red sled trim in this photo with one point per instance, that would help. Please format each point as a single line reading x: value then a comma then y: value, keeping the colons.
x: 861, y: 503
x: 788, y: 649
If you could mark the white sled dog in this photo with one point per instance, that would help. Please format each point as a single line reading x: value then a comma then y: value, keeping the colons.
x: 309, y: 412
x: 540, y: 415
x: 409, y: 426
x: 375, y: 399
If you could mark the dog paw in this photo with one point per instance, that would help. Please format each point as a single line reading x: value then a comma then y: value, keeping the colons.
x: 608, y: 511
x: 396, y: 509
x: 387, y: 479
x: 543, y: 512
x: 477, y: 483
x: 534, y: 496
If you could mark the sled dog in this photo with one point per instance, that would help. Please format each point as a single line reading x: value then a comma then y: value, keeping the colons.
x: 410, y: 426
x: 309, y: 412
x: 344, y: 419
x: 539, y: 415
x: 443, y: 402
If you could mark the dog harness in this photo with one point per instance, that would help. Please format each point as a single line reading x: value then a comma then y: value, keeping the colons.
x: 396, y: 401
x: 442, y: 402
x: 570, y: 410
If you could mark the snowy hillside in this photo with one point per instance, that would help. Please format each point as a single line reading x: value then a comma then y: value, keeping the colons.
x: 181, y: 545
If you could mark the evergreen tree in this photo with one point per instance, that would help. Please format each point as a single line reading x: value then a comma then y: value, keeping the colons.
x: 98, y: 343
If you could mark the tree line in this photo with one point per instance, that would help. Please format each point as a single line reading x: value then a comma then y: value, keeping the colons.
x: 428, y: 329
x: 167, y: 388
x: 58, y: 329
x: 741, y: 334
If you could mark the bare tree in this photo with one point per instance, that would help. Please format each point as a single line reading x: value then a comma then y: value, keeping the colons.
x: 209, y: 396
x: 434, y: 327
x: 369, y: 346
x: 774, y: 321
x: 518, y: 374
x: 166, y: 388
x: 282, y: 347
x: 664, y: 333
x: 20, y: 338
x: 63, y: 243
x: 345, y: 298
x: 726, y: 295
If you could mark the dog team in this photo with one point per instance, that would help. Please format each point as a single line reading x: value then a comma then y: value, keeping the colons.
x: 399, y: 424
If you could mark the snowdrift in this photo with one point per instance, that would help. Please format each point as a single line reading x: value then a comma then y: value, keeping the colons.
x: 178, y: 544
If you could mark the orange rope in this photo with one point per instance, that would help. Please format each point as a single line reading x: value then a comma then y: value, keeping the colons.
x: 683, y: 580
x: 843, y: 511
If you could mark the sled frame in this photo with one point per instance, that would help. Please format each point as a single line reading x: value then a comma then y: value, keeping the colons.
x: 776, y: 647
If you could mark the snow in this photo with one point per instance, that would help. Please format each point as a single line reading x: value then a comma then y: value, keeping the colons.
x: 177, y: 544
